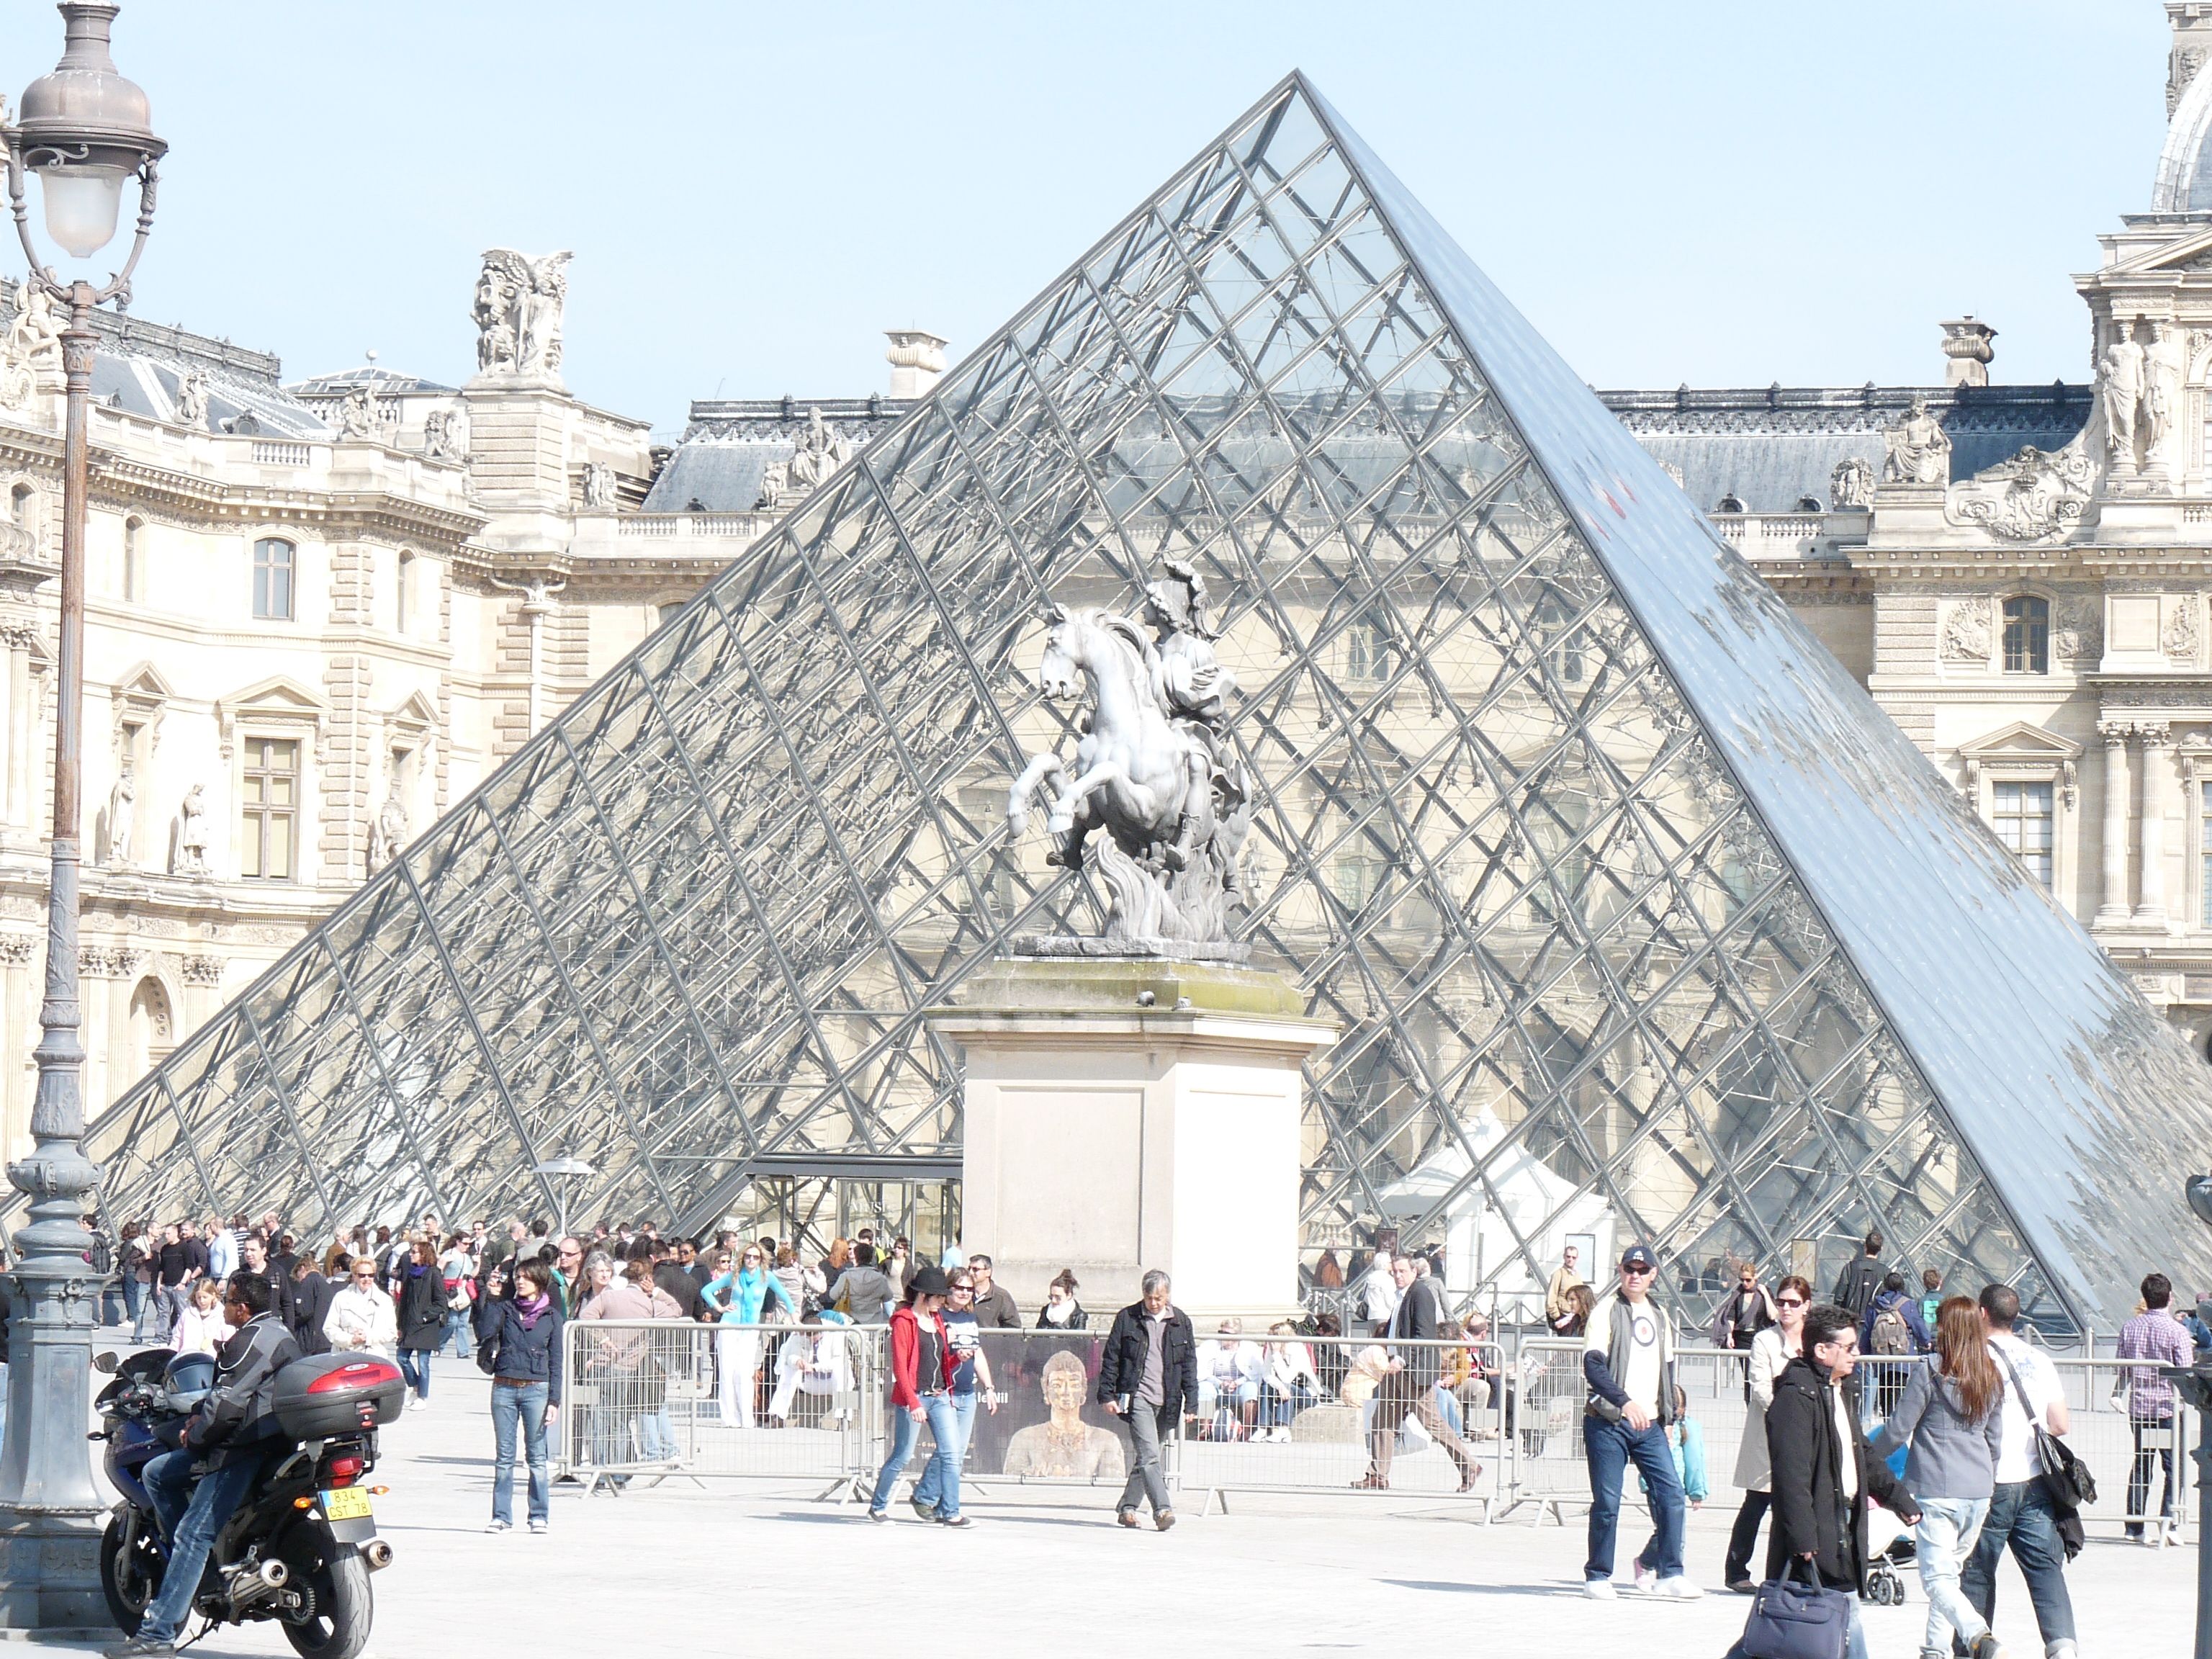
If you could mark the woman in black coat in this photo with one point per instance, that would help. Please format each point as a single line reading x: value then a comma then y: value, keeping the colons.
x: 1807, y: 1446
x: 422, y: 1303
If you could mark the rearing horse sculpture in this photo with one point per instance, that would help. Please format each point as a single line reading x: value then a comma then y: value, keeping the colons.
x: 1174, y: 821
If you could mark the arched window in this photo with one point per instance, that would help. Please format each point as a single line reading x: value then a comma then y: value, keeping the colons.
x: 1730, y: 502
x: 403, y: 601
x: 19, y: 505
x: 134, y: 553
x: 153, y: 1027
x: 2027, y: 634
x: 668, y: 611
x: 272, y: 579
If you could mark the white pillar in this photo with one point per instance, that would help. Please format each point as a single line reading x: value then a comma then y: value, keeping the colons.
x: 2157, y: 788
x: 2112, y: 910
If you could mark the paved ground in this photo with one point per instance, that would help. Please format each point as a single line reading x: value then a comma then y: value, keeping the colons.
x: 740, y: 1568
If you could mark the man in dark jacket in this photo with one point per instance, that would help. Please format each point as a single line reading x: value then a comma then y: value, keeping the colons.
x: 311, y: 1302
x: 225, y: 1439
x: 254, y: 1259
x: 1823, y: 1473
x: 1857, y: 1288
x: 1410, y: 1386
x: 1148, y: 1377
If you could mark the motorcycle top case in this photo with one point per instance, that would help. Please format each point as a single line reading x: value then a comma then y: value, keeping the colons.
x: 325, y: 1394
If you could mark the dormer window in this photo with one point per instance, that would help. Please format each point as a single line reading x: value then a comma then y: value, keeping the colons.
x: 2027, y: 634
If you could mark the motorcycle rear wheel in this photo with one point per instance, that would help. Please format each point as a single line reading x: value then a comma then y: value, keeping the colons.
x: 126, y: 1603
x: 335, y: 1624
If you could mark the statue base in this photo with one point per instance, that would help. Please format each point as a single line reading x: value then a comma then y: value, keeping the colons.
x: 1060, y: 946
x: 1128, y: 1112
x: 50, y: 1576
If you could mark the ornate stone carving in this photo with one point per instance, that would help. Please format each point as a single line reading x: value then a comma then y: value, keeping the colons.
x: 2180, y: 635
x: 190, y: 857
x: 598, y: 484
x: 16, y: 949
x: 1967, y: 632
x: 2036, y: 496
x: 361, y: 414
x: 1851, y: 484
x: 205, y: 972
x: 821, y: 452
x: 1918, y: 449
x: 2077, y: 630
x: 445, y: 436
x: 123, y: 819
x: 517, y: 311
x: 389, y: 833
x: 1154, y: 769
x: 192, y: 399
x: 108, y: 962
x: 30, y: 347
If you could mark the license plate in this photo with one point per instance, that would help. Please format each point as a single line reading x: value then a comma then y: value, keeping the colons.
x: 346, y: 1503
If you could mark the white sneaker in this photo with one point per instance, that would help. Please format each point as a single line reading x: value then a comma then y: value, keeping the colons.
x: 1599, y: 1589
x: 2173, y: 1535
x: 1677, y: 1589
x: 501, y: 1526
x: 539, y: 1526
x: 1646, y: 1580
x: 418, y: 1404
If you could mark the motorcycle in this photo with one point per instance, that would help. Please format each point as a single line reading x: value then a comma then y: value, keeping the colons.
x: 301, y: 1546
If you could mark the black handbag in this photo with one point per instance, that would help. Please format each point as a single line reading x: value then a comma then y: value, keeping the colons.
x: 1790, y: 1620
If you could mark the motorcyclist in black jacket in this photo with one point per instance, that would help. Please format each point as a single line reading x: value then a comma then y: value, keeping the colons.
x: 225, y: 1440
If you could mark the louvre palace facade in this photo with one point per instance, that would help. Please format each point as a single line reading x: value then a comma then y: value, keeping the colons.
x: 1637, y: 915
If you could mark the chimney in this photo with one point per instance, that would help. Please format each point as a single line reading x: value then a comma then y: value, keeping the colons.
x: 2192, y: 23
x: 917, y: 361
x: 1967, y: 351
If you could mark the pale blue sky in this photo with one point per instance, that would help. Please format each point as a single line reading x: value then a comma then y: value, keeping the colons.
x: 1725, y: 192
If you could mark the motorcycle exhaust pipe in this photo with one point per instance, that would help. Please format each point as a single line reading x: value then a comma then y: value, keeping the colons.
x: 249, y: 1584
x: 274, y: 1574
x: 377, y: 1554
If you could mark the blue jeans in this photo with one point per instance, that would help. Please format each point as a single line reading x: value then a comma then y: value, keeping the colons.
x: 1612, y: 1448
x: 134, y: 1297
x: 945, y: 1424
x: 193, y: 1518
x: 656, y: 1435
x: 2139, y: 1472
x: 522, y: 1406
x: 415, y: 1368
x: 457, y: 1333
x: 1943, y: 1541
x: 2020, y: 1515
x: 929, y: 1489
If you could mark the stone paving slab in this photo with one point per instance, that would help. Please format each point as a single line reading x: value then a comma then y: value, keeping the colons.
x: 742, y: 1567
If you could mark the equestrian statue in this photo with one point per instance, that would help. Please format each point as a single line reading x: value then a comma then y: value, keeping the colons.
x: 1154, y: 767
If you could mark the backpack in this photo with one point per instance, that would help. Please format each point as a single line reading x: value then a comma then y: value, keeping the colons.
x: 1892, y: 1335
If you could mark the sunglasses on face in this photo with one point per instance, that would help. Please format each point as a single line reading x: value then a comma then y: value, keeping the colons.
x: 959, y: 1289
x: 1789, y: 1301
x: 1635, y: 1273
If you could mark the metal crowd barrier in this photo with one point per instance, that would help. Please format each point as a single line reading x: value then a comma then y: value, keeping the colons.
x: 654, y: 1398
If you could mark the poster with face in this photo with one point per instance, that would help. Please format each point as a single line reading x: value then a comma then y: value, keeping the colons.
x: 1048, y: 1425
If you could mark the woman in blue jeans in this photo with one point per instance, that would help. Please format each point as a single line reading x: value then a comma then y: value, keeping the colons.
x: 922, y: 1371
x: 970, y: 1368
x: 521, y: 1336
x: 1949, y: 1415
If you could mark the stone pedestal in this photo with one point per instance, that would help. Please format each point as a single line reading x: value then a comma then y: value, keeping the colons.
x: 1125, y: 1114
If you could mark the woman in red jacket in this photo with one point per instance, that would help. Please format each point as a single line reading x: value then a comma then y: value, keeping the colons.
x: 922, y: 1367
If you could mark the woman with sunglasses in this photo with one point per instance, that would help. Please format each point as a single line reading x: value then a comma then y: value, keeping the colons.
x: 362, y: 1319
x: 971, y: 1380
x: 737, y: 1298
x: 1771, y: 1351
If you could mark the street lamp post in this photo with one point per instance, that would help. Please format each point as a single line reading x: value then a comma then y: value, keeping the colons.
x: 2194, y: 1385
x: 82, y: 130
x: 573, y: 1170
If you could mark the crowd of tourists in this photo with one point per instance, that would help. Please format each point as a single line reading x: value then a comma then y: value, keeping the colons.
x: 1945, y: 1437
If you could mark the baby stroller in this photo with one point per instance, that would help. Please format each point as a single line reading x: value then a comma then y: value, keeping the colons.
x: 1885, y: 1581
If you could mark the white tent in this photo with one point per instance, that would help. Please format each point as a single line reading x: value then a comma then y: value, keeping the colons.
x: 1545, y: 1210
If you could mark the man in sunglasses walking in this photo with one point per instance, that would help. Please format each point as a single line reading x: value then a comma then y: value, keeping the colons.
x: 1628, y: 1360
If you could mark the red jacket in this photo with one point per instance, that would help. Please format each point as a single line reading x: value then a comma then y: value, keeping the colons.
x: 905, y: 1355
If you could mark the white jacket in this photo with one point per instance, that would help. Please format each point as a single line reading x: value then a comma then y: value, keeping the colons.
x: 362, y: 1319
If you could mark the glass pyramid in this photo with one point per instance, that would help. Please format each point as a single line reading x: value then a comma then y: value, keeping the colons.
x: 1631, y: 903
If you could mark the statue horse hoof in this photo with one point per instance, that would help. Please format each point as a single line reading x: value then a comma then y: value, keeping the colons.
x: 1060, y: 824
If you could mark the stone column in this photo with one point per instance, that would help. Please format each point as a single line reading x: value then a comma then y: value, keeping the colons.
x: 2157, y: 788
x: 2112, y: 912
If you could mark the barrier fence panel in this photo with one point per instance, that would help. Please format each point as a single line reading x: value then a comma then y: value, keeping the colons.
x: 660, y: 1397
x: 1289, y: 1413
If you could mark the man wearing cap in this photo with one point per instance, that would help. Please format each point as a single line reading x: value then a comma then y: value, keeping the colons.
x: 1628, y: 1360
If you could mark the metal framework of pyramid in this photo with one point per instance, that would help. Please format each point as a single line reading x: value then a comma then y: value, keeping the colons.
x: 1602, y: 863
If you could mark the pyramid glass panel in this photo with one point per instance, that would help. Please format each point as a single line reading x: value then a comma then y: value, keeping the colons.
x: 1639, y: 918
